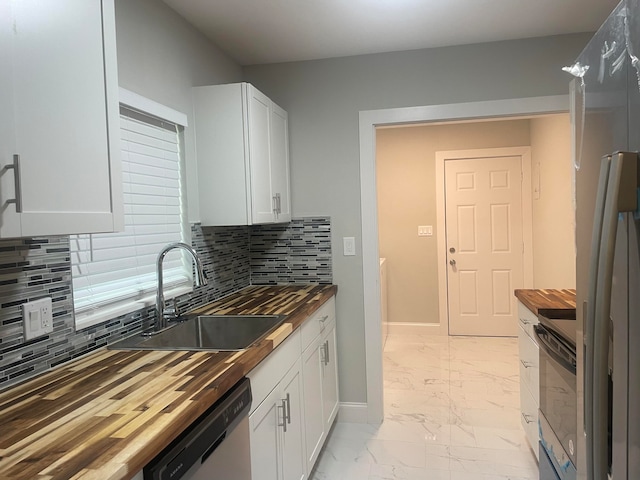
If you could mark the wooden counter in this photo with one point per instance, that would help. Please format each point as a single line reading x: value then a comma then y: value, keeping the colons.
x: 105, y: 416
x: 549, y: 302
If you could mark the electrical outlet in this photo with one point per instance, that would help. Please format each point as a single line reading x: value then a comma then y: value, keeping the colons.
x: 37, y: 318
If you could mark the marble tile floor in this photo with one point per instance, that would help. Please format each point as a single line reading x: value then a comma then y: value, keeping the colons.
x: 451, y: 413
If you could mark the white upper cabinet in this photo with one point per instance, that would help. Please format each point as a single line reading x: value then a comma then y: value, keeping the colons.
x: 59, y: 152
x: 242, y: 146
x: 280, y: 162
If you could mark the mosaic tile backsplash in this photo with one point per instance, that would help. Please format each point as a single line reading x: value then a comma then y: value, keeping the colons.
x: 233, y: 258
x: 297, y: 252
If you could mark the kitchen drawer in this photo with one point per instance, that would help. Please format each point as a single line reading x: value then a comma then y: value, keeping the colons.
x: 527, y: 319
x: 269, y: 372
x: 529, y: 418
x: 529, y: 364
x: 318, y: 322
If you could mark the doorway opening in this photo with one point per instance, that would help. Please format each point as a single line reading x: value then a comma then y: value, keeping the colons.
x: 369, y: 122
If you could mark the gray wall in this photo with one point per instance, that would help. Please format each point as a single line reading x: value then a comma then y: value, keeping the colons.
x: 161, y: 56
x: 323, y: 99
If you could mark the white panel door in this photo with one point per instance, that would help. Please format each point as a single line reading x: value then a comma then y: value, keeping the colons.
x: 485, y: 246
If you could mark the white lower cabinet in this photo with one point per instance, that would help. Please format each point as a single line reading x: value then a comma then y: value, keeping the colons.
x: 292, y: 413
x: 529, y: 375
x: 293, y: 466
x: 314, y: 421
x: 276, y: 431
x: 330, y: 379
x: 320, y: 372
x: 529, y: 418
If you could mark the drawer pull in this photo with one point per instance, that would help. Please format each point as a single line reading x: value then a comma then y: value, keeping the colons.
x: 324, y: 319
x: 526, y: 364
x: 527, y: 418
x: 524, y: 321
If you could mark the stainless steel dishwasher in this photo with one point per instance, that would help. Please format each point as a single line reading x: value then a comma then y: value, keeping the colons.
x: 214, y: 447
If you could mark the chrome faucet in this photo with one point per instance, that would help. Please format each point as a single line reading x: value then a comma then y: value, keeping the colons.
x: 201, y: 279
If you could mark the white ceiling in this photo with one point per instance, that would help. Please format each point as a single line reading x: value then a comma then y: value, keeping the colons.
x: 272, y: 31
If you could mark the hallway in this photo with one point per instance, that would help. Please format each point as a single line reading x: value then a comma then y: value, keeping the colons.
x: 451, y: 413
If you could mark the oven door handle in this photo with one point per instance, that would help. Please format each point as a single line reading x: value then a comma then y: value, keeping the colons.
x: 541, y: 334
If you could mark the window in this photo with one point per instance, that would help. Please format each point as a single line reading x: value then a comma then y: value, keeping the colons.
x: 115, y: 273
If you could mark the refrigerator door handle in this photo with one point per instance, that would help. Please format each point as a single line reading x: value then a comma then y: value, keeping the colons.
x: 589, y: 311
x: 621, y: 196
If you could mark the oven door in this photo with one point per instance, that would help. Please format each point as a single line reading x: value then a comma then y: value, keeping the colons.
x: 558, y: 401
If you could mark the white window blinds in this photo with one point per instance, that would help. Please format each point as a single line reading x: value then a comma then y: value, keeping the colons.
x: 115, y: 273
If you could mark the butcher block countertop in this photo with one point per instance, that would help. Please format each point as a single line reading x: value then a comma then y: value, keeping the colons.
x: 106, y: 415
x: 549, y: 302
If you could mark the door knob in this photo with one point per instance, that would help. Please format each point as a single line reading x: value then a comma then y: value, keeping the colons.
x: 452, y: 263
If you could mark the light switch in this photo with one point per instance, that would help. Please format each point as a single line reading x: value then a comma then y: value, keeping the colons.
x: 349, y: 245
x: 425, y: 230
x: 34, y: 320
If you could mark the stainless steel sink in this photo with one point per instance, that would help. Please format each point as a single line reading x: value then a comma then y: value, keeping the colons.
x: 206, y: 332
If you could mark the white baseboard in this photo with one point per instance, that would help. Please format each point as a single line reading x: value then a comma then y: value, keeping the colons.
x: 410, y: 328
x: 352, y: 412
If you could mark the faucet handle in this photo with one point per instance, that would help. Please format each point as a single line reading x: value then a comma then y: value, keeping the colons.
x: 173, y: 311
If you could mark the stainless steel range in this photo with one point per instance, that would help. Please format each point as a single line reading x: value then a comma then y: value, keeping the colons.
x: 558, y: 402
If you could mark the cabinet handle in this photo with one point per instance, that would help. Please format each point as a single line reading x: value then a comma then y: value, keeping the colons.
x: 527, y: 418
x: 16, y: 178
x: 526, y: 364
x: 524, y: 321
x: 283, y: 406
x: 278, y: 204
x: 288, y: 409
x: 274, y: 205
x: 326, y: 352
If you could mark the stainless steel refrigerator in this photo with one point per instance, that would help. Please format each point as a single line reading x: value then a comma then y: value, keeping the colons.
x: 606, y: 119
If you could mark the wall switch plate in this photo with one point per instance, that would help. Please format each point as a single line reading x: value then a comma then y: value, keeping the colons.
x: 37, y: 318
x: 349, y: 245
x: 425, y: 230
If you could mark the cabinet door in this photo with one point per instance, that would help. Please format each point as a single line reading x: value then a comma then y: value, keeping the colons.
x: 262, y: 201
x: 529, y: 418
x: 65, y: 118
x: 293, y: 456
x: 280, y: 163
x: 313, y: 406
x: 10, y: 222
x: 265, y: 438
x: 330, y: 379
